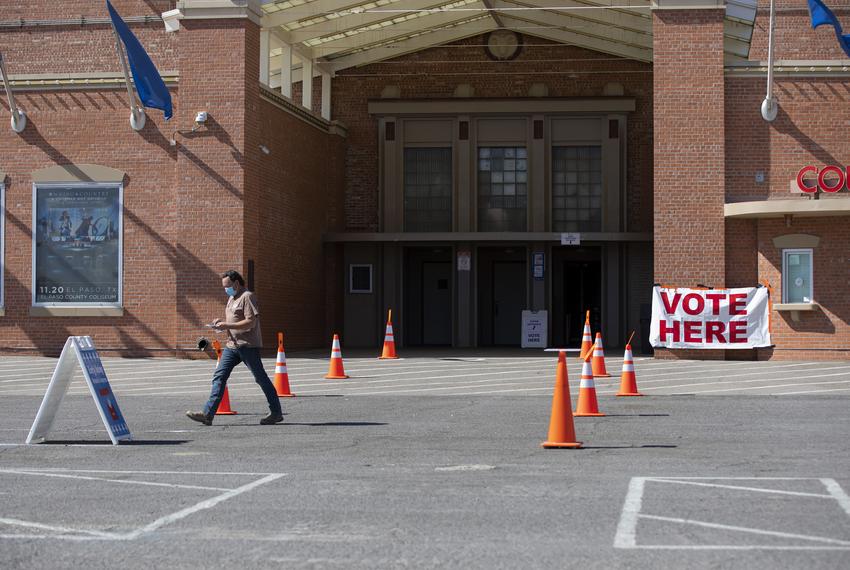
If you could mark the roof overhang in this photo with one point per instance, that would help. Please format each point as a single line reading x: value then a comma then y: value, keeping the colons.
x: 802, y: 208
x: 341, y: 34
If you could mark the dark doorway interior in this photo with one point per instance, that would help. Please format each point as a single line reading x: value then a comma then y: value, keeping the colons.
x: 576, y: 288
x: 428, y: 297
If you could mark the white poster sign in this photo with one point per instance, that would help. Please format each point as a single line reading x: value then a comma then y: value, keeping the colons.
x: 86, y: 355
x: 571, y: 239
x: 710, y: 318
x: 534, y: 329
x: 464, y: 260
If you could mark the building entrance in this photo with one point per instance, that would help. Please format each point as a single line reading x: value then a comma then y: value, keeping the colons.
x: 502, y: 277
x: 428, y: 297
x: 576, y: 289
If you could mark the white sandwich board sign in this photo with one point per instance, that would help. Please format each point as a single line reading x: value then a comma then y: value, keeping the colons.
x: 86, y: 354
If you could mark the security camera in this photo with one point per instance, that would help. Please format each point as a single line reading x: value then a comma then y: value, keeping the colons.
x: 201, y: 117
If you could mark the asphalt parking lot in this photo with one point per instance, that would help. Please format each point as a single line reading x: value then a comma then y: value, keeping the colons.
x: 433, y: 461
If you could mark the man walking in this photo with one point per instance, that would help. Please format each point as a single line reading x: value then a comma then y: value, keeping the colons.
x: 242, y: 325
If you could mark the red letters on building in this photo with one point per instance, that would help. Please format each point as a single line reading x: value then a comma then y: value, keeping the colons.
x: 831, y: 185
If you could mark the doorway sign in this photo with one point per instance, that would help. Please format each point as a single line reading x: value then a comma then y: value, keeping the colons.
x: 571, y: 239
x: 535, y: 329
x: 538, y: 265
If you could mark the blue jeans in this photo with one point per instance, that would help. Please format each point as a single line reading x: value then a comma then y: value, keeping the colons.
x: 229, y: 359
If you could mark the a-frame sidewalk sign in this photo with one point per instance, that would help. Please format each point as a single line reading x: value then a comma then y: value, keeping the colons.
x: 98, y: 383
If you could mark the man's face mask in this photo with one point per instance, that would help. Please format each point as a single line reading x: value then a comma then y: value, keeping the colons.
x: 230, y: 291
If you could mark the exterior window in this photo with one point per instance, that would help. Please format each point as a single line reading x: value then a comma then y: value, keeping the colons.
x: 502, y: 189
x: 797, y: 284
x: 360, y: 279
x: 428, y: 189
x: 577, y: 189
x: 77, y: 245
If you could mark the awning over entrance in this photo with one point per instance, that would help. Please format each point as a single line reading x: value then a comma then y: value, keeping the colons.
x: 802, y: 208
x: 340, y: 34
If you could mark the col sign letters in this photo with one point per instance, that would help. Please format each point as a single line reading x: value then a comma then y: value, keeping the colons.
x: 829, y: 179
x: 83, y: 348
x: 710, y: 318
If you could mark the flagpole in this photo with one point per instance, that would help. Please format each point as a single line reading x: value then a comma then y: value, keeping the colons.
x: 19, y: 118
x: 769, y: 107
x: 137, y: 114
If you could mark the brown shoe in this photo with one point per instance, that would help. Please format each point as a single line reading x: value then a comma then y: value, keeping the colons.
x: 200, y: 417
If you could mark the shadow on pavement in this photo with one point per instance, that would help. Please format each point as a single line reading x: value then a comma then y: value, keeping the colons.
x: 650, y: 446
x: 107, y: 442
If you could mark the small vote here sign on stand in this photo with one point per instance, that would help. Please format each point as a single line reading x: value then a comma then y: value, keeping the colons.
x: 80, y: 349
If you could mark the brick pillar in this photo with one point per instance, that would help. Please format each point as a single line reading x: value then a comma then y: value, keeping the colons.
x: 219, y: 59
x: 689, y: 153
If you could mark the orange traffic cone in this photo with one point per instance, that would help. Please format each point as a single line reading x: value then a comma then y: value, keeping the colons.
x: 281, y: 376
x: 586, y: 338
x: 587, y: 405
x: 598, y: 360
x: 389, y: 341
x: 336, y: 370
x: 628, y: 381
x: 562, y: 431
x: 224, y: 406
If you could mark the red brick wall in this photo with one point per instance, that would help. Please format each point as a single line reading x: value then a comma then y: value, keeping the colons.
x: 810, y: 129
x: 825, y: 332
x: 435, y: 73
x: 210, y: 167
x: 93, y: 127
x: 794, y: 37
x: 75, y: 48
x: 689, y: 152
x: 182, y: 203
x: 293, y: 201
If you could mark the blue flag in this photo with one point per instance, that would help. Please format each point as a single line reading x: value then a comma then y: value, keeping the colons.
x: 152, y: 90
x: 822, y: 15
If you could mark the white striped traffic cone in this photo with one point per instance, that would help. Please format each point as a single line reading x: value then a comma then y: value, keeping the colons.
x: 389, y: 340
x: 336, y: 370
x: 628, y: 380
x: 281, y: 376
x: 586, y: 338
x: 598, y: 360
x: 587, y: 405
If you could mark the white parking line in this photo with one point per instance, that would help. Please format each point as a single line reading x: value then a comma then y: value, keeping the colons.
x: 747, y: 530
x: 66, y: 533
x: 626, y: 533
x: 122, y: 481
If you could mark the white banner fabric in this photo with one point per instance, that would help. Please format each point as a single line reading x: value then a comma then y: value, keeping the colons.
x: 710, y: 318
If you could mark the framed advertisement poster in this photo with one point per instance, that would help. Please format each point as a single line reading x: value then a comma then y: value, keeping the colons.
x: 77, y: 245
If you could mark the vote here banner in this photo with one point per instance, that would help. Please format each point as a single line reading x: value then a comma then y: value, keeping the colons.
x: 710, y: 318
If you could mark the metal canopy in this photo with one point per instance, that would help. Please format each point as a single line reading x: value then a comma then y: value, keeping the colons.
x: 340, y: 34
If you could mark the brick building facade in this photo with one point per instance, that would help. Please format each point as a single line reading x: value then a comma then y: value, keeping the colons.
x: 689, y: 184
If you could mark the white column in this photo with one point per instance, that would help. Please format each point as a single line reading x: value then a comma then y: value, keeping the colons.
x: 286, y: 71
x: 326, y: 95
x: 264, y: 57
x: 307, y: 83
